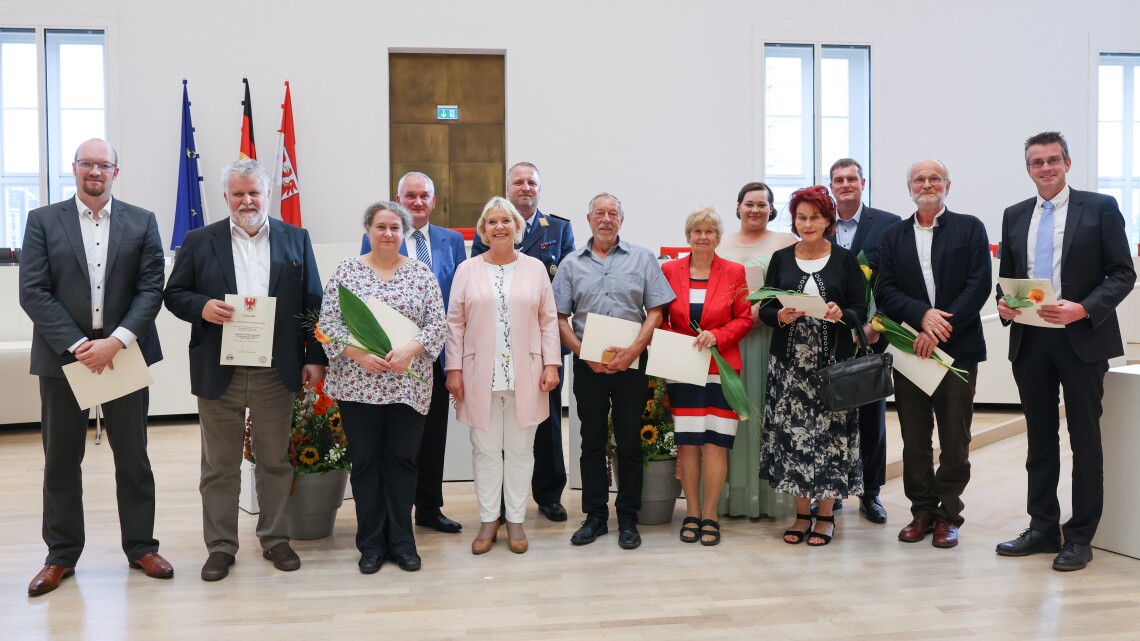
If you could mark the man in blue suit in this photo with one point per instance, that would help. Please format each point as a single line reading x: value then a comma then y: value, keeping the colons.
x: 549, y: 239
x: 860, y: 229
x: 442, y: 250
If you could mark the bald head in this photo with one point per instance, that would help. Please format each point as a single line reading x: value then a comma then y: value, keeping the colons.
x: 95, y: 169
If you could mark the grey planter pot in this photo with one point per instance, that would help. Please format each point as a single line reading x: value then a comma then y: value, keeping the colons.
x: 313, y: 506
x: 659, y: 492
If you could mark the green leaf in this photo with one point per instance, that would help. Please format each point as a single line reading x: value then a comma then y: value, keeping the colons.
x: 1015, y: 303
x: 732, y: 386
x: 771, y: 292
x: 362, y: 324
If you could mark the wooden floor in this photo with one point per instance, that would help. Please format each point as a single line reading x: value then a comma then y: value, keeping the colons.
x: 865, y: 585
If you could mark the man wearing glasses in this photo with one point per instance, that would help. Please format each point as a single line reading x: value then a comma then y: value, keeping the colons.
x: 91, y: 282
x: 1077, y: 240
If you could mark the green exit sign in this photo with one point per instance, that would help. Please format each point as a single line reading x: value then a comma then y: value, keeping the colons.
x: 447, y: 112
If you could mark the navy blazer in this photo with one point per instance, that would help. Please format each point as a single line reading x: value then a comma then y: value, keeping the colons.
x: 204, y: 270
x: 873, y: 225
x: 960, y: 257
x: 1098, y: 275
x: 549, y: 242
x: 55, y: 285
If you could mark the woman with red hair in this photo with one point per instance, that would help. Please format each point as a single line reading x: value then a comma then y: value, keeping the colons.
x: 809, y: 451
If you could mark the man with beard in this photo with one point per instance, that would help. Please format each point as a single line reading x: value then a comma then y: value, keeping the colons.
x: 548, y: 238
x: 934, y: 274
x: 611, y: 277
x: 250, y: 255
x: 91, y: 282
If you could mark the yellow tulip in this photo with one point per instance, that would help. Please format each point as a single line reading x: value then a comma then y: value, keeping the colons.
x: 877, y: 325
x: 866, y: 271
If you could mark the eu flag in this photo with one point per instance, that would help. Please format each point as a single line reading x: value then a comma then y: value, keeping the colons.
x: 188, y: 212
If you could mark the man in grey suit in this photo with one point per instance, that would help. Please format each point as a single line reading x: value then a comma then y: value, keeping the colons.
x: 91, y: 281
x: 859, y: 228
x: 251, y: 255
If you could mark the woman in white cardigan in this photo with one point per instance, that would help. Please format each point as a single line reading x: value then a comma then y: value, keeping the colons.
x: 502, y: 361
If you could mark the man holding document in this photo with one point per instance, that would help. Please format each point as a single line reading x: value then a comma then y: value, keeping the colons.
x: 1077, y: 240
x: 934, y: 275
x: 613, y: 281
x: 244, y: 284
x: 91, y: 282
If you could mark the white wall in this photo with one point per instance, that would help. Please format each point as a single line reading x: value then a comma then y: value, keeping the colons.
x: 653, y: 101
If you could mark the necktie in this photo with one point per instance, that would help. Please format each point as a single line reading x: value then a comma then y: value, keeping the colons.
x: 1043, y: 255
x: 422, y: 252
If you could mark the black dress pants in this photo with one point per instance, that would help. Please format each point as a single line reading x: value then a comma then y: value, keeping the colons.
x: 433, y: 447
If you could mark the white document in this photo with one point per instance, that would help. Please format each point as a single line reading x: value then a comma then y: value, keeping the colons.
x: 754, y: 276
x: 810, y: 304
x: 91, y: 389
x: 247, y: 339
x: 673, y: 356
x: 1037, y: 290
x: 925, y: 373
x: 399, y: 328
x: 603, y: 332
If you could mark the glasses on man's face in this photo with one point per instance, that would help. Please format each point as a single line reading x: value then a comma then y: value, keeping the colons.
x: 1052, y: 162
x: 87, y: 165
x: 933, y: 180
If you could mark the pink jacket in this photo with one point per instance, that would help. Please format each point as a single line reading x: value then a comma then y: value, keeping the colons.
x: 471, y: 338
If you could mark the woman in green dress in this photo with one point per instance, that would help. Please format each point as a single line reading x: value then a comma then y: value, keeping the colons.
x: 745, y: 493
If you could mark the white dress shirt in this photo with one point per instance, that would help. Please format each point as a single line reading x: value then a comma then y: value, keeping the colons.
x: 845, y: 229
x: 923, y: 241
x: 410, y: 243
x: 1060, y: 213
x: 95, y: 238
x: 251, y: 259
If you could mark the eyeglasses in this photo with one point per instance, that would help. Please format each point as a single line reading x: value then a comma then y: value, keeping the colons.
x: 1052, y: 162
x: 87, y: 165
x: 933, y: 180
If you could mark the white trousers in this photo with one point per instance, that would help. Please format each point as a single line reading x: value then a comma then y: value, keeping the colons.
x: 504, y: 461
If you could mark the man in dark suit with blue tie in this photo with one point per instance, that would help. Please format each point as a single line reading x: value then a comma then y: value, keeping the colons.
x: 549, y: 239
x: 859, y: 228
x: 1077, y: 240
x: 91, y: 283
x: 441, y: 249
x: 935, y: 275
x: 250, y: 255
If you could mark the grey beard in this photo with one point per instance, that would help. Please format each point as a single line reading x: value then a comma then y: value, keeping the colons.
x: 252, y: 220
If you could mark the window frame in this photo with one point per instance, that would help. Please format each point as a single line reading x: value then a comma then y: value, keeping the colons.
x: 1128, y: 183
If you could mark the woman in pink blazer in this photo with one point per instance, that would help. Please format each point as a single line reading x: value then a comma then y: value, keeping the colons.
x: 502, y: 361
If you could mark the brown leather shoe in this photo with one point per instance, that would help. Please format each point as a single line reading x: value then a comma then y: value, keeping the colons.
x: 283, y: 557
x: 917, y: 529
x: 48, y: 578
x: 154, y: 565
x: 518, y: 547
x: 945, y: 534
x: 483, y: 546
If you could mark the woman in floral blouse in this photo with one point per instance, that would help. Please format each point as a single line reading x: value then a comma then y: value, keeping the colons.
x: 502, y: 361
x: 381, y: 404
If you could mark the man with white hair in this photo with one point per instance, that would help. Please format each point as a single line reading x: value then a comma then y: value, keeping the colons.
x: 251, y: 255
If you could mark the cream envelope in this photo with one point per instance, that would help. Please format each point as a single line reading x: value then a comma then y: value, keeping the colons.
x: 672, y: 356
x: 925, y: 373
x: 399, y: 328
x: 602, y: 332
x: 1030, y: 315
x: 811, y: 304
x: 91, y: 389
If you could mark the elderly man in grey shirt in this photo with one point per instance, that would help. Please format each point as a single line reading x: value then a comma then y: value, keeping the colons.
x: 614, y: 278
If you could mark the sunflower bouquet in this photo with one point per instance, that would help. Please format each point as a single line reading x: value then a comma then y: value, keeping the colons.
x: 317, y: 442
x: 657, y: 442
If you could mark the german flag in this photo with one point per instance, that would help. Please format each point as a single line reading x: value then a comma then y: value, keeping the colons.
x: 248, y: 150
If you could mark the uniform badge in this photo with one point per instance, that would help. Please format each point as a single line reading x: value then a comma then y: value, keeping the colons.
x: 542, y: 222
x: 553, y: 269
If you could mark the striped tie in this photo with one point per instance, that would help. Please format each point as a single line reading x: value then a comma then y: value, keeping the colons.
x: 1043, y: 253
x: 422, y: 252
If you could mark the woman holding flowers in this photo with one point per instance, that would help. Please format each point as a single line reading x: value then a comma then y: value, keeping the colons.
x: 809, y: 451
x: 710, y: 294
x: 383, y: 399
x: 745, y: 493
x: 502, y: 361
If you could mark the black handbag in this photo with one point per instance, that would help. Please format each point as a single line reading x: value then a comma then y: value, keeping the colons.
x: 854, y: 382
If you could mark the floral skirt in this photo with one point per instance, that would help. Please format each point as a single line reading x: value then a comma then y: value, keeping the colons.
x: 807, y: 451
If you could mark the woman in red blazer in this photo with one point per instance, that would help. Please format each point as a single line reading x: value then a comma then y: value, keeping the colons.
x: 711, y: 291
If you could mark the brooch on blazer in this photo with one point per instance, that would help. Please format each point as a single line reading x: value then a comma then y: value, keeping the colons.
x: 546, y: 244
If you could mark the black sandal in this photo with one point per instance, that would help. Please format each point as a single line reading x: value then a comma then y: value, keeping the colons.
x: 798, y: 534
x: 690, y: 534
x: 710, y: 532
x: 826, y: 538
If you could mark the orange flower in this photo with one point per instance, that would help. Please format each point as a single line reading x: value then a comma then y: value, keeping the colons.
x: 321, y: 338
x: 1036, y: 295
x: 322, y: 405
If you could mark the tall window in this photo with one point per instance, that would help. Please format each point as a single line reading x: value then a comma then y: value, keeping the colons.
x: 817, y: 109
x: 52, y: 97
x: 1118, y: 135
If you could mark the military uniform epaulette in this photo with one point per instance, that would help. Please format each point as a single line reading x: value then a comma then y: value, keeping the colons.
x: 554, y: 216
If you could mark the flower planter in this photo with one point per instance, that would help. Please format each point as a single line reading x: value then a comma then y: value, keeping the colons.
x: 314, y: 502
x: 659, y: 492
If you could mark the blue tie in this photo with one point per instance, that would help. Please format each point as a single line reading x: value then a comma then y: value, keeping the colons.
x: 1043, y: 255
x: 422, y: 252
